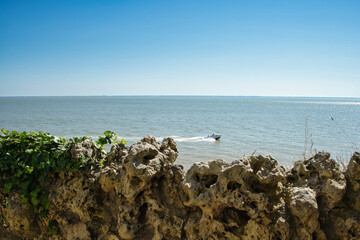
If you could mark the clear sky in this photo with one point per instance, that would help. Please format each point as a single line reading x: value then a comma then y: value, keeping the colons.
x: 166, y: 47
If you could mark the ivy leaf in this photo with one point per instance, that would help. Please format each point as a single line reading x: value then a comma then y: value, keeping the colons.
x: 23, y: 199
x: 7, y: 187
x: 101, y: 163
x: 45, y: 201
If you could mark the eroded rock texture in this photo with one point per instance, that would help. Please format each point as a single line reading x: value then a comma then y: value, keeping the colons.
x: 141, y: 194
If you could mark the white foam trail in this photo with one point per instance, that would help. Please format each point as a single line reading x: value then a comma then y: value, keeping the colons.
x: 192, y: 139
x: 133, y: 139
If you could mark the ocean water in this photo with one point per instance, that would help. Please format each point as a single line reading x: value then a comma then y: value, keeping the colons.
x: 278, y: 126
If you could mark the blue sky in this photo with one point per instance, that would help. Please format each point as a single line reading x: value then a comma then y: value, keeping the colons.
x: 263, y: 48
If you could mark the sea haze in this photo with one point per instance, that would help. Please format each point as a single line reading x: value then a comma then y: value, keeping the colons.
x: 267, y: 125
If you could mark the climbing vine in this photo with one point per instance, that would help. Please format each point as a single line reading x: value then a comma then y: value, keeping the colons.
x: 27, y: 159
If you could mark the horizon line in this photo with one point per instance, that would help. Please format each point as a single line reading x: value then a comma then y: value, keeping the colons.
x: 172, y: 95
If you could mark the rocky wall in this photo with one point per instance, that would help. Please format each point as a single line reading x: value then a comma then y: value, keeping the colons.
x: 141, y: 194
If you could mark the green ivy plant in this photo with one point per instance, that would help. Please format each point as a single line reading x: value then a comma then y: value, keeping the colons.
x: 26, y: 159
x: 53, y: 228
x: 110, y: 137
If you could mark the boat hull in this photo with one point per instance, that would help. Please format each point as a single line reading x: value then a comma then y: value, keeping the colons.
x: 214, y: 136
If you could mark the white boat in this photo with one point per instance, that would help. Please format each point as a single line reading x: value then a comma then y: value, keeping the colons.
x: 214, y: 136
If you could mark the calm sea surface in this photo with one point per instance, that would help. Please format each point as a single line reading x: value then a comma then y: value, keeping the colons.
x: 267, y: 125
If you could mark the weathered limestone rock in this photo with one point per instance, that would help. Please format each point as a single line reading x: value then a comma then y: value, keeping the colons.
x: 86, y: 149
x: 238, y: 197
x: 117, y: 153
x: 19, y: 218
x: 169, y: 148
x: 304, y: 208
x: 353, y: 173
x: 345, y: 218
x: 323, y: 175
x: 141, y: 194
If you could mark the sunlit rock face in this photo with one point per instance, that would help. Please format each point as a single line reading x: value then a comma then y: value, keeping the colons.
x: 140, y: 193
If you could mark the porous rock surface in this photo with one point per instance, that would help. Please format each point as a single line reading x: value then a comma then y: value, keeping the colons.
x: 141, y: 194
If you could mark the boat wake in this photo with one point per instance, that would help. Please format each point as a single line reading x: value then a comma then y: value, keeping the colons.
x: 192, y: 139
x: 176, y: 138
